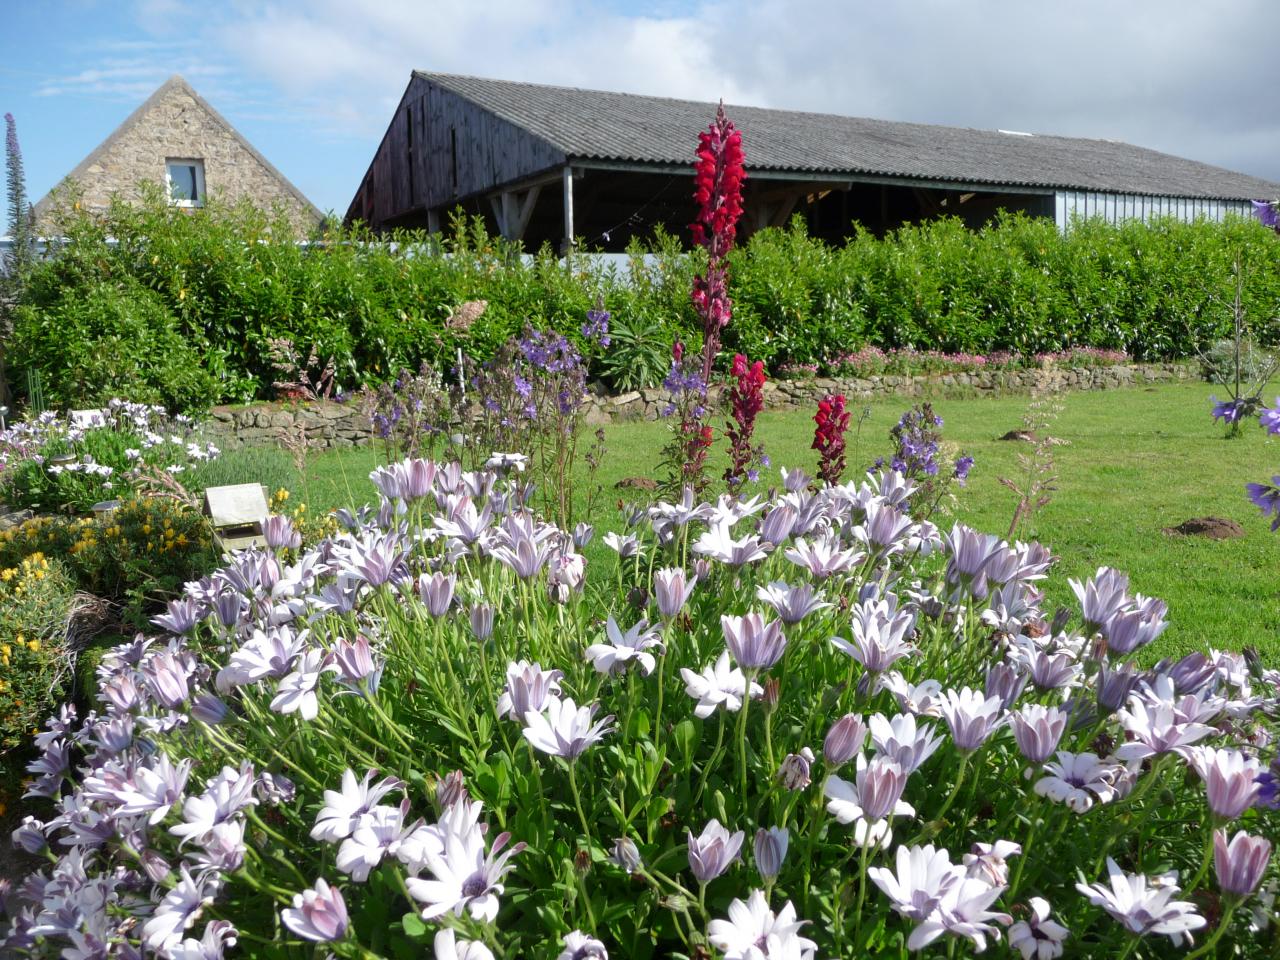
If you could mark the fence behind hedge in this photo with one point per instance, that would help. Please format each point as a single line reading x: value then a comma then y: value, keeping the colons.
x: 168, y: 306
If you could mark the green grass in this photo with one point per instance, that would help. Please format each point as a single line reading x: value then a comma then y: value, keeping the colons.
x: 1136, y: 461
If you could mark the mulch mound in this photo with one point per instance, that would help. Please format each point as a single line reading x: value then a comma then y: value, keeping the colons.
x: 637, y: 483
x: 1215, y: 528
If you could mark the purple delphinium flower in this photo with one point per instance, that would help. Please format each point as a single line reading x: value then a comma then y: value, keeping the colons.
x: 1267, y: 214
x: 712, y: 851
x: 597, y: 326
x: 1266, y: 497
x: 1228, y: 411
x: 1269, y: 418
x: 963, y: 465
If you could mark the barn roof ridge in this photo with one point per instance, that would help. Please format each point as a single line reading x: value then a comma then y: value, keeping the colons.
x: 614, y: 126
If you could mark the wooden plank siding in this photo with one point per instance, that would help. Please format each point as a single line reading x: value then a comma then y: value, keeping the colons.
x: 440, y: 149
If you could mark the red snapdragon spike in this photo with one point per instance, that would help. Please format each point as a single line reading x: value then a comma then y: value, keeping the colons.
x: 718, y: 176
x: 746, y: 399
x: 828, y: 439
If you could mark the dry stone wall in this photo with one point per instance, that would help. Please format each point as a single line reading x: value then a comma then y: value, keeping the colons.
x: 337, y: 425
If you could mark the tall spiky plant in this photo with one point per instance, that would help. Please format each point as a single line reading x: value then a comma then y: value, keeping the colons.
x: 19, y: 209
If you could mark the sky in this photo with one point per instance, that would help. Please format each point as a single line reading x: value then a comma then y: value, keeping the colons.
x: 313, y: 83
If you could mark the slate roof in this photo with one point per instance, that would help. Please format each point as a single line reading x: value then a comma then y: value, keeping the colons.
x: 599, y: 125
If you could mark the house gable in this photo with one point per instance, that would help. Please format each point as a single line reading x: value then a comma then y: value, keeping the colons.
x: 175, y: 122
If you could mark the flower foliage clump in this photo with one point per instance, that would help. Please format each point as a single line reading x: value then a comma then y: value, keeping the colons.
x: 69, y: 463
x: 808, y: 725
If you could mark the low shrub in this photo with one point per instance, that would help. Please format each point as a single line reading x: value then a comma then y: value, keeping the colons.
x: 136, y: 557
x: 804, y: 725
x: 37, y: 607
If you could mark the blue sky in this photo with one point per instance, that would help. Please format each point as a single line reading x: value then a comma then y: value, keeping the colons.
x: 312, y: 83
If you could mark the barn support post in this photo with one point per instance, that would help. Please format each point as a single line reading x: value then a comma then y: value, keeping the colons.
x: 433, y: 221
x: 568, y: 209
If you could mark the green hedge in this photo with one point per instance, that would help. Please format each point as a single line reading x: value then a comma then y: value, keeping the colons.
x: 181, y: 307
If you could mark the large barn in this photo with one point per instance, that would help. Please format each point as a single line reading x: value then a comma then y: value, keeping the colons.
x: 563, y: 165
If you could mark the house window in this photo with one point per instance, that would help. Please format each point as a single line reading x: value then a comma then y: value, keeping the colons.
x: 185, y: 179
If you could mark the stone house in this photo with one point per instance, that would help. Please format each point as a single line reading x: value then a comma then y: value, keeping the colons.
x: 177, y: 140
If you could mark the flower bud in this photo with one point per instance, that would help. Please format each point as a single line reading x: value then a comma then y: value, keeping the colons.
x: 482, y: 621
x: 844, y: 739
x: 771, y: 851
x: 450, y: 789
x: 626, y: 855
x: 772, y: 692
x: 794, y: 772
x: 436, y: 592
x: 779, y: 523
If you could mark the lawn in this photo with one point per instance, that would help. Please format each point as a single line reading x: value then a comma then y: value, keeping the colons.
x: 1134, y: 462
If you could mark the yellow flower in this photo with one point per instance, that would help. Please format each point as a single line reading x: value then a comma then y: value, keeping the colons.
x: 33, y: 645
x: 146, y: 529
x: 182, y: 540
x: 5, y: 649
x: 282, y: 494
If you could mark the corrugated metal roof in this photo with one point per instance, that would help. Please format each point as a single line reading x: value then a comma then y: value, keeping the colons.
x: 600, y: 125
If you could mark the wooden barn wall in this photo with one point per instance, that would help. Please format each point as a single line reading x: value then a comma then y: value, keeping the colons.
x: 1119, y: 207
x: 490, y: 151
x: 414, y: 167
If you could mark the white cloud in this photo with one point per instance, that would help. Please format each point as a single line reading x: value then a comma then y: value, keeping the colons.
x: 1190, y: 78
x: 1148, y: 71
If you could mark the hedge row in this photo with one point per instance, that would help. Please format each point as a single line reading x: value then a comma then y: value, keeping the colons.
x: 179, y: 309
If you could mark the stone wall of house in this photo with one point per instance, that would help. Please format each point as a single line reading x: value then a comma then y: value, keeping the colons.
x: 177, y: 125
x: 329, y: 424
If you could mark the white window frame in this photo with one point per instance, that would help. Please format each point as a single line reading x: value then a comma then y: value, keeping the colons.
x: 198, y: 164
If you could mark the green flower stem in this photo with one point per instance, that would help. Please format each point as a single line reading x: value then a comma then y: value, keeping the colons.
x: 394, y: 727
x: 1208, y: 946
x: 577, y: 802
x: 742, y: 732
x: 712, y: 761
x: 864, y: 857
x: 1205, y: 860
x: 662, y: 672
x: 955, y: 789
x: 1022, y: 857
